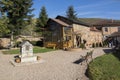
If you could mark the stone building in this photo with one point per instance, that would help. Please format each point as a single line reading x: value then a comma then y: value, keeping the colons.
x: 107, y: 27
x: 66, y: 33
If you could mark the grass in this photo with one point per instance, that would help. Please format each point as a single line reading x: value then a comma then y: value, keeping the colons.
x: 42, y: 50
x: 35, y: 50
x: 106, y: 67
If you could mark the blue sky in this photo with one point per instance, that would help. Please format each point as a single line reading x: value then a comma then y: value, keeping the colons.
x: 109, y: 9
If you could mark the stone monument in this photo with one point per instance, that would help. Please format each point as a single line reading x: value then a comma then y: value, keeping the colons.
x: 26, y: 56
x: 26, y: 52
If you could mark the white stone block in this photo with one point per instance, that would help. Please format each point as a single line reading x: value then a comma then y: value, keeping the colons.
x: 29, y: 59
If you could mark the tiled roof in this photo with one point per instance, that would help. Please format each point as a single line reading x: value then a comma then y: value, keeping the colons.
x: 107, y: 23
x: 60, y: 22
x: 99, y: 24
x: 69, y: 21
x: 115, y: 34
x: 94, y: 29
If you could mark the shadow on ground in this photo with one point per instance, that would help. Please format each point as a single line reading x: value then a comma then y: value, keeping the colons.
x: 115, y: 52
x: 79, y: 61
x: 87, y: 73
x: 107, y: 51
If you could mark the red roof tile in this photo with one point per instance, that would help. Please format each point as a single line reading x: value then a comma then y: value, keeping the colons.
x: 60, y: 22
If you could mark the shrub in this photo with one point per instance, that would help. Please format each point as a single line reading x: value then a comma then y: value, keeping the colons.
x: 105, y: 43
x: 105, y: 67
x: 82, y: 46
x: 33, y: 43
x: 37, y: 43
x: 17, y: 44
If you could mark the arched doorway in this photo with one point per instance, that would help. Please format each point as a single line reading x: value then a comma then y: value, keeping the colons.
x: 78, y: 40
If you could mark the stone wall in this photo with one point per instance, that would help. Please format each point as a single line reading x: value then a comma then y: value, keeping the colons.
x: 4, y: 42
x: 80, y: 30
x: 86, y: 34
x: 109, y: 31
x: 94, y: 37
x: 30, y: 38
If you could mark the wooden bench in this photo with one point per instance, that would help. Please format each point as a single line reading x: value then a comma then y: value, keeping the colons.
x: 52, y: 45
x: 86, y: 57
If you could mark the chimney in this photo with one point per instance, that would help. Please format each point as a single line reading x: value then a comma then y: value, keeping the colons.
x: 112, y: 20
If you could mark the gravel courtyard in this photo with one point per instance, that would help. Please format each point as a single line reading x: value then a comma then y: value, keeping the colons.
x: 58, y: 65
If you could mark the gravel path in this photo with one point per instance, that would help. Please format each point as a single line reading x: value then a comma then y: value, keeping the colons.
x: 58, y: 65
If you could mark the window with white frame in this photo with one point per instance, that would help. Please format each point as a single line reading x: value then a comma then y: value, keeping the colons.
x: 106, y: 29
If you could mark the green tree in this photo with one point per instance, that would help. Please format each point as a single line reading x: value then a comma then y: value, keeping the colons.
x: 3, y: 27
x: 18, y: 11
x: 71, y: 13
x: 29, y: 30
x: 43, y: 18
x: 4, y: 3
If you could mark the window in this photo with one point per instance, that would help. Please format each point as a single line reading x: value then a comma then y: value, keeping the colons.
x: 67, y: 30
x: 68, y: 38
x: 106, y: 29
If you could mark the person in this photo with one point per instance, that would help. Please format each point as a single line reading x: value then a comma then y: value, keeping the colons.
x: 109, y: 44
x: 84, y: 41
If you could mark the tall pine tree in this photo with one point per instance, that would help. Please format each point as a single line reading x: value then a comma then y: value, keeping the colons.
x: 43, y: 18
x: 71, y: 14
x: 18, y: 13
x: 3, y: 27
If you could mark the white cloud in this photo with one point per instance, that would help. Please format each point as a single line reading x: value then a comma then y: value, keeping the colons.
x: 87, y: 13
x: 114, y: 13
x: 98, y: 4
x: 83, y: 7
x: 108, y: 16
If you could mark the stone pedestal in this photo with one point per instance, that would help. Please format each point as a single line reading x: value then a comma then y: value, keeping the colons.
x: 26, y: 57
x: 27, y: 52
x: 29, y: 59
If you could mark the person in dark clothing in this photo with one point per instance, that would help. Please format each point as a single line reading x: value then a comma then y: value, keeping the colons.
x: 84, y: 41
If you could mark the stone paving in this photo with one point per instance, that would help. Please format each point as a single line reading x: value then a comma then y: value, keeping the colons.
x: 58, y: 65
